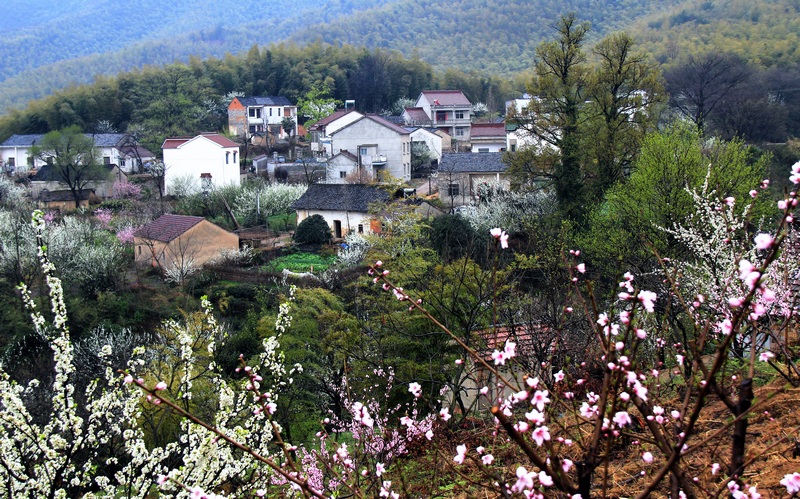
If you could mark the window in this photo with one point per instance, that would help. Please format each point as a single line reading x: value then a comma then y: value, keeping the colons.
x: 234, y: 157
x: 121, y: 161
x: 30, y: 160
x: 360, y: 228
x: 49, y: 161
x: 227, y: 157
x: 252, y: 128
x: 441, y: 115
x: 483, y: 149
x: 106, y: 160
x: 254, y: 112
x: 270, y: 111
x: 342, y: 174
x: 11, y: 162
x: 460, y: 132
x: 459, y: 115
x: 363, y: 151
x: 452, y: 190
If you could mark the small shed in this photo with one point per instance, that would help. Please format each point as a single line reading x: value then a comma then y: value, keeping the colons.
x: 178, y: 241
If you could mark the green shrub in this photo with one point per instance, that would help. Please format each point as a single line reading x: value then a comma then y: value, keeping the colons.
x: 313, y: 230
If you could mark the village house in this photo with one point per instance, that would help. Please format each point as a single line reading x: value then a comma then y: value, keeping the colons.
x: 63, y: 200
x: 462, y: 176
x: 181, y: 241
x: 205, y: 161
x: 121, y: 149
x: 488, y: 137
x: 381, y: 147
x: 48, y: 179
x: 255, y: 116
x: 345, y: 207
x: 431, y: 139
x: 320, y: 132
x: 449, y: 110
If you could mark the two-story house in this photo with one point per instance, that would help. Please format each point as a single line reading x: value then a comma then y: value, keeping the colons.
x: 379, y: 146
x: 320, y: 132
x: 252, y: 116
x: 449, y: 110
x: 207, y: 160
x: 120, y: 149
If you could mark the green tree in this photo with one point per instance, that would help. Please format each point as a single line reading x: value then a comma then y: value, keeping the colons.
x: 317, y: 103
x: 624, y: 93
x: 313, y: 230
x: 628, y: 225
x: 73, y: 160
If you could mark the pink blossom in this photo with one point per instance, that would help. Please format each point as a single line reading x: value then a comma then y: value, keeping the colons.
x: 763, y: 241
x: 487, y: 459
x: 445, y: 414
x: 524, y: 480
x: 461, y: 454
x: 162, y: 479
x: 125, y: 236
x: 540, y: 435
x: 535, y: 417
x: 540, y: 399
x: 730, y: 200
x: 545, y: 479
x: 647, y: 457
x: 415, y: 389
x: 559, y: 376
x: 161, y: 386
x: 715, y: 468
x: 581, y: 267
x: 736, y: 301
x: 765, y: 356
x: 783, y: 204
x: 792, y: 482
x: 128, y: 379
x: 510, y: 350
x: 640, y: 391
x: 499, y: 358
x: 622, y: 418
x: 647, y: 298
x: 753, y: 193
x: 379, y: 469
x: 725, y: 327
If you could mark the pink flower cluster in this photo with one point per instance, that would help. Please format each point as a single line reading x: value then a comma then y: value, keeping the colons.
x: 500, y: 235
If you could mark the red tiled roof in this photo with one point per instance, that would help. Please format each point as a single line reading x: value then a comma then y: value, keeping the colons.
x: 331, y: 117
x: 447, y: 97
x: 488, y: 130
x: 417, y: 114
x: 175, y: 142
x: 219, y: 139
x: 388, y: 124
x: 167, y: 227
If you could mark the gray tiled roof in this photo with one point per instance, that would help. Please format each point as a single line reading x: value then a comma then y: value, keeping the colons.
x: 472, y: 162
x: 340, y: 197
x: 274, y: 100
x: 49, y: 173
x: 100, y: 139
x: 23, y: 140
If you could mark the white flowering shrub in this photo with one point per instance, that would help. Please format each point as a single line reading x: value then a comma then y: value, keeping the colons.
x: 509, y: 210
x: 255, y: 203
x: 353, y: 250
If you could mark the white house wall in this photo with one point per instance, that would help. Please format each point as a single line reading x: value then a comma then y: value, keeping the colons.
x: 348, y: 219
x: 201, y: 155
x: 395, y: 146
x: 433, y: 141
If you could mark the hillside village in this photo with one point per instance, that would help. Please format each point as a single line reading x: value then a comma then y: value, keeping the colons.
x: 326, y: 271
x: 346, y: 147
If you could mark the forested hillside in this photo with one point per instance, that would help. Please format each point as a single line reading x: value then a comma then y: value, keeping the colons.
x: 495, y: 35
x: 498, y: 36
x: 766, y: 33
x: 74, y: 41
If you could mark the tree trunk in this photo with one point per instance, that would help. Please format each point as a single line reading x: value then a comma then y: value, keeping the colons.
x: 740, y: 428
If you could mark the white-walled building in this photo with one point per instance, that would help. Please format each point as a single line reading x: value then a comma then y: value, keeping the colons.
x: 430, y: 138
x: 119, y: 149
x: 321, y: 131
x: 248, y: 116
x: 345, y: 207
x: 381, y: 147
x: 488, y: 137
x: 449, y: 110
x: 209, y: 159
